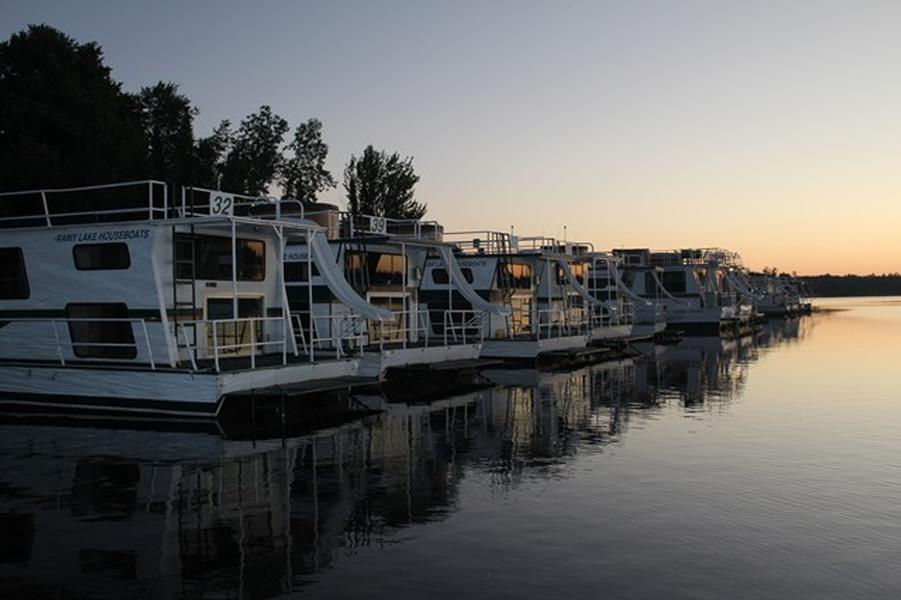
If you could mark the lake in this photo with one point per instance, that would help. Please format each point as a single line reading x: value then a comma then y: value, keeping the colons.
x: 763, y: 467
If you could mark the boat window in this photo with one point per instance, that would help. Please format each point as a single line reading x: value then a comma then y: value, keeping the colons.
x: 439, y: 276
x: 297, y: 271
x: 379, y: 267
x: 578, y: 271
x: 13, y: 278
x: 103, y: 338
x: 395, y: 332
x: 518, y: 275
x: 674, y: 281
x: 92, y: 257
x: 213, y: 258
x: 650, y: 284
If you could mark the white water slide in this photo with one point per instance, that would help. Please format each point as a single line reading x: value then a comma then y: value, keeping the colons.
x: 324, y: 258
x: 471, y: 296
x: 580, y: 289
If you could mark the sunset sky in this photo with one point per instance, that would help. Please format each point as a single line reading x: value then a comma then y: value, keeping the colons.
x: 771, y: 128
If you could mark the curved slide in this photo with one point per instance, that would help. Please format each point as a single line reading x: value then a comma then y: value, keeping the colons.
x: 580, y: 289
x: 477, y: 302
x: 333, y: 277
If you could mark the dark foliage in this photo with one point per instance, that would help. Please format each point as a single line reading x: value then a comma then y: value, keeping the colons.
x: 381, y: 184
x: 304, y: 174
x: 63, y: 120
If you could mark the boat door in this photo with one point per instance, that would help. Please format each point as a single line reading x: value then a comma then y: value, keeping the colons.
x: 233, y: 337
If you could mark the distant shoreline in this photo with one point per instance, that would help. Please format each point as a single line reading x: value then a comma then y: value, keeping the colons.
x: 834, y: 286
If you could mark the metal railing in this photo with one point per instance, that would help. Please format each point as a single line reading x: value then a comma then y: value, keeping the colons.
x: 471, y: 323
x: 344, y: 334
x: 246, y: 340
x: 482, y: 242
x: 60, y: 345
x: 149, y: 211
x: 356, y: 224
x: 560, y: 322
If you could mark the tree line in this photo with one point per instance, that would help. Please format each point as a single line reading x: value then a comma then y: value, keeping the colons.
x: 64, y: 121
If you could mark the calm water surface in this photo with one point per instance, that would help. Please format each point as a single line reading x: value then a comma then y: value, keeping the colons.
x: 759, y: 468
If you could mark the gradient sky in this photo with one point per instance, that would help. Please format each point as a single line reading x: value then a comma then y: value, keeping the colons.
x: 771, y: 128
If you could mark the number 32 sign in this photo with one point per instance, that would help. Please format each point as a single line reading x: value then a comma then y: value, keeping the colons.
x: 221, y: 204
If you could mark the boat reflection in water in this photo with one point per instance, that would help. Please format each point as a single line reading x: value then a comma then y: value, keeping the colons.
x: 107, y: 512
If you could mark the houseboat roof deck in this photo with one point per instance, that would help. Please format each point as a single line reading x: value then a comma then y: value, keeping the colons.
x: 144, y: 201
x: 501, y: 243
x: 695, y: 256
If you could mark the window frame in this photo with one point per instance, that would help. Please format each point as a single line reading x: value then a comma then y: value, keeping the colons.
x: 25, y: 294
x: 239, y: 241
x: 76, y: 247
x: 83, y: 348
x: 445, y: 279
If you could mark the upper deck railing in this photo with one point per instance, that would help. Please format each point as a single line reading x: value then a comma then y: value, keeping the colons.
x: 129, y: 201
x: 482, y: 242
x: 146, y: 200
x: 695, y: 256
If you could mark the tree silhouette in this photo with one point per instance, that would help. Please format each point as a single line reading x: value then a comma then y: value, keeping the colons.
x: 209, y: 156
x: 255, y: 156
x: 304, y: 175
x: 63, y: 120
x: 167, y: 118
x: 381, y: 184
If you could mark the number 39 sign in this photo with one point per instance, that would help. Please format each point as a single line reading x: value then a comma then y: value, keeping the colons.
x: 221, y: 204
x: 377, y: 225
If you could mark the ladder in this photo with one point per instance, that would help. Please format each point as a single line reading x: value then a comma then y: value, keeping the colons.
x: 184, y: 290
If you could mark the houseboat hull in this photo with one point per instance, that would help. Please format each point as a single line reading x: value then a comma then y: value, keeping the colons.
x: 148, y: 391
x: 377, y: 364
x: 613, y: 333
x: 531, y: 349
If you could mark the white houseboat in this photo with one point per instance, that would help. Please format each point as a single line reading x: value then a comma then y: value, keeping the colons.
x: 116, y: 297
x: 697, y: 292
x: 385, y: 260
x: 615, y: 318
x: 533, y: 281
x: 641, y: 282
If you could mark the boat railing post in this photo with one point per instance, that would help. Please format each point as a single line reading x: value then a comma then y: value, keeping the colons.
x: 149, y: 345
x: 59, y: 347
x: 215, y: 346
x: 46, y: 209
x: 284, y: 341
x: 253, y: 343
x: 150, y: 199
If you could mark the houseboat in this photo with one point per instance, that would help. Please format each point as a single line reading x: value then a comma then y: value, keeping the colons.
x: 640, y: 281
x: 545, y: 307
x: 697, y: 292
x: 614, y: 320
x: 384, y: 260
x: 121, y: 297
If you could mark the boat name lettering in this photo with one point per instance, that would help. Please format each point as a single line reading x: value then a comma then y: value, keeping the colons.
x: 103, y: 236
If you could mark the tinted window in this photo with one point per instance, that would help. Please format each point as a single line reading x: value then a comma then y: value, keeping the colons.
x: 674, y: 281
x: 101, y: 339
x: 439, y: 276
x: 213, y: 258
x: 90, y: 257
x: 517, y: 276
x: 297, y: 271
x: 578, y: 271
x: 13, y: 278
x: 376, y: 267
x: 650, y: 284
